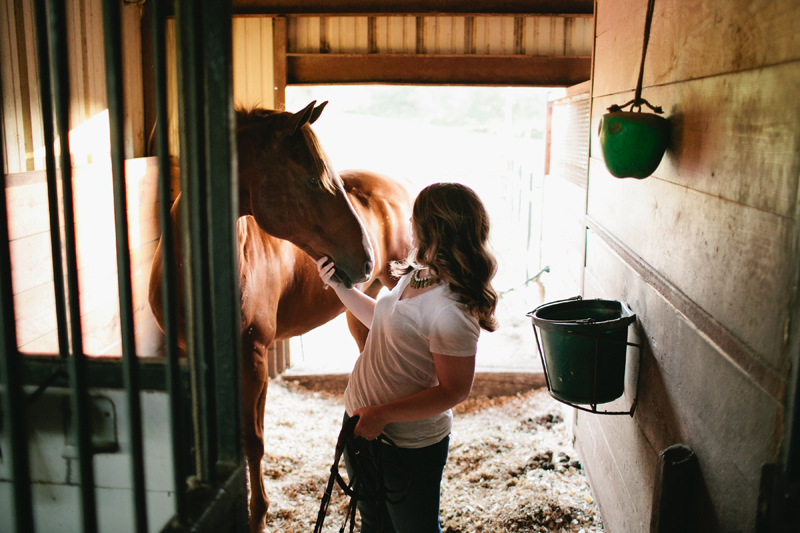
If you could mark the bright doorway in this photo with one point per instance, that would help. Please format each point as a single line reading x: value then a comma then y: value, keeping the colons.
x: 491, y: 139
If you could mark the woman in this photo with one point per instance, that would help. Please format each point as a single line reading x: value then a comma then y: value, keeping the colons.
x: 419, y: 357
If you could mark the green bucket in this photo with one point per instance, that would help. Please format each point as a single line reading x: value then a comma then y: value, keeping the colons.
x: 633, y: 143
x: 584, y: 345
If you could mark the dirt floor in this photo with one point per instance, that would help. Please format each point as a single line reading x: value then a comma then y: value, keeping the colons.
x: 511, y: 467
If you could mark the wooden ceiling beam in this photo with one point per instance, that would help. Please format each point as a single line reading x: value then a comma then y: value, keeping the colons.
x: 414, y: 69
x: 414, y: 7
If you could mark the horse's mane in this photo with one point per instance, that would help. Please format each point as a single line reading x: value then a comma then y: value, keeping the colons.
x: 260, y: 116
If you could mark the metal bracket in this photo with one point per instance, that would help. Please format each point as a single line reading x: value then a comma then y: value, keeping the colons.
x: 104, y: 428
x: 593, y: 406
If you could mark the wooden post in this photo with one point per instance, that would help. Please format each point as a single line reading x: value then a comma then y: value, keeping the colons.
x: 280, y: 356
x: 279, y: 61
x: 272, y: 360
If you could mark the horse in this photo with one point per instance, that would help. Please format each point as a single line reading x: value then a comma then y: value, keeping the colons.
x: 293, y: 210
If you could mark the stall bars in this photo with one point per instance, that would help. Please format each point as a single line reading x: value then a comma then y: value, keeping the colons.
x: 211, y: 494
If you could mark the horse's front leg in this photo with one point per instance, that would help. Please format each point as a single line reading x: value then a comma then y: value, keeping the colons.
x: 255, y: 379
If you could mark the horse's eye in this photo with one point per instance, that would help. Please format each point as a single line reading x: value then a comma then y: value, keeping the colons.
x: 313, y: 181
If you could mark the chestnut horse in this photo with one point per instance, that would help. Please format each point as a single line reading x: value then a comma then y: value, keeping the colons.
x: 293, y: 210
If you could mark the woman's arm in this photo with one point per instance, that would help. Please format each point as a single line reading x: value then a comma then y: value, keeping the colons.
x: 455, y: 376
x: 358, y: 303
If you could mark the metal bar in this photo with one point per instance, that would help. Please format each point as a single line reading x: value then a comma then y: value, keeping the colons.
x: 541, y: 356
x: 81, y: 407
x: 594, y: 379
x: 46, y: 384
x: 112, y: 31
x: 222, y: 213
x: 101, y: 373
x: 14, y: 406
x: 168, y: 273
x: 46, y: 90
x: 194, y: 236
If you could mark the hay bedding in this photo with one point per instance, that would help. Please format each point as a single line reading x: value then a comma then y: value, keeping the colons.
x: 511, y: 467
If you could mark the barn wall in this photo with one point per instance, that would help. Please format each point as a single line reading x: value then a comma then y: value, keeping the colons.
x: 496, y: 35
x: 253, y: 76
x: 704, y: 250
x: 24, y: 141
x: 55, y: 489
x: 32, y: 272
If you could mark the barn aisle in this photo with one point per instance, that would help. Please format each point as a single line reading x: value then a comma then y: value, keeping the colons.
x: 511, y: 467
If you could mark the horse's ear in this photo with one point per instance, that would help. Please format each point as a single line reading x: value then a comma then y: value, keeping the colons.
x: 300, y: 118
x: 317, y: 112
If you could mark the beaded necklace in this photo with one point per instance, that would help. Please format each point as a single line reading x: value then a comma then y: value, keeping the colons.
x: 421, y: 283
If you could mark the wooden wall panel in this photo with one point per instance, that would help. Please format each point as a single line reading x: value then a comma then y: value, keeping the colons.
x: 547, y: 36
x: 704, y: 250
x: 253, y: 76
x: 32, y: 274
x: 267, y: 63
x: 691, y: 39
x: 625, y: 495
x: 724, y: 129
x: 719, y: 253
x: 279, y: 68
x: 13, y: 151
x: 304, y: 34
x: 21, y: 107
x: 172, y: 87
x: 135, y: 136
x: 34, y: 155
x: 689, y: 392
x: 24, y: 138
x: 437, y: 69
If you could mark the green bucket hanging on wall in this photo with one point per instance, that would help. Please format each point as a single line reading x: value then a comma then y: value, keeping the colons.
x: 583, y: 344
x: 633, y: 143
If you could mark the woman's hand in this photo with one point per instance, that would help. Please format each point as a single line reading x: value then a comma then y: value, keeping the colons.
x: 358, y: 303
x: 326, y: 269
x: 370, y: 423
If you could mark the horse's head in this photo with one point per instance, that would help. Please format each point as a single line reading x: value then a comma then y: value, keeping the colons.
x: 287, y: 183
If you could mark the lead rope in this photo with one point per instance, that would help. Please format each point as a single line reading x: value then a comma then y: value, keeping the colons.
x: 637, y: 99
x: 356, y: 489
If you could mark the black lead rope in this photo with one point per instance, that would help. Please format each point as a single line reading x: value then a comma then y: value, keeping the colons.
x: 363, y: 467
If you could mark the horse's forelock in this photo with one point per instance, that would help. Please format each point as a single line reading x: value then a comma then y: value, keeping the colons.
x: 328, y: 177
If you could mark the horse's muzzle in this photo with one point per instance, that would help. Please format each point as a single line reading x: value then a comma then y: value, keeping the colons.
x: 340, y: 277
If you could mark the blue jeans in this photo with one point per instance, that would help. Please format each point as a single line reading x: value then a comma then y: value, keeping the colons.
x: 419, y: 511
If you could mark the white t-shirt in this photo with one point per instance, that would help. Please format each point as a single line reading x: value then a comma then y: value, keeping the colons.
x: 397, y: 361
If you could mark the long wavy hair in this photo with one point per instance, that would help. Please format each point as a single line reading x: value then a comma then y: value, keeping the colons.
x: 451, y: 229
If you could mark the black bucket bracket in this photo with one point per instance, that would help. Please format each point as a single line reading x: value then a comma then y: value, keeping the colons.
x: 592, y: 407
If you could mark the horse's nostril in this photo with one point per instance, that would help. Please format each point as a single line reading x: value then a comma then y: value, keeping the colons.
x: 368, y: 268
